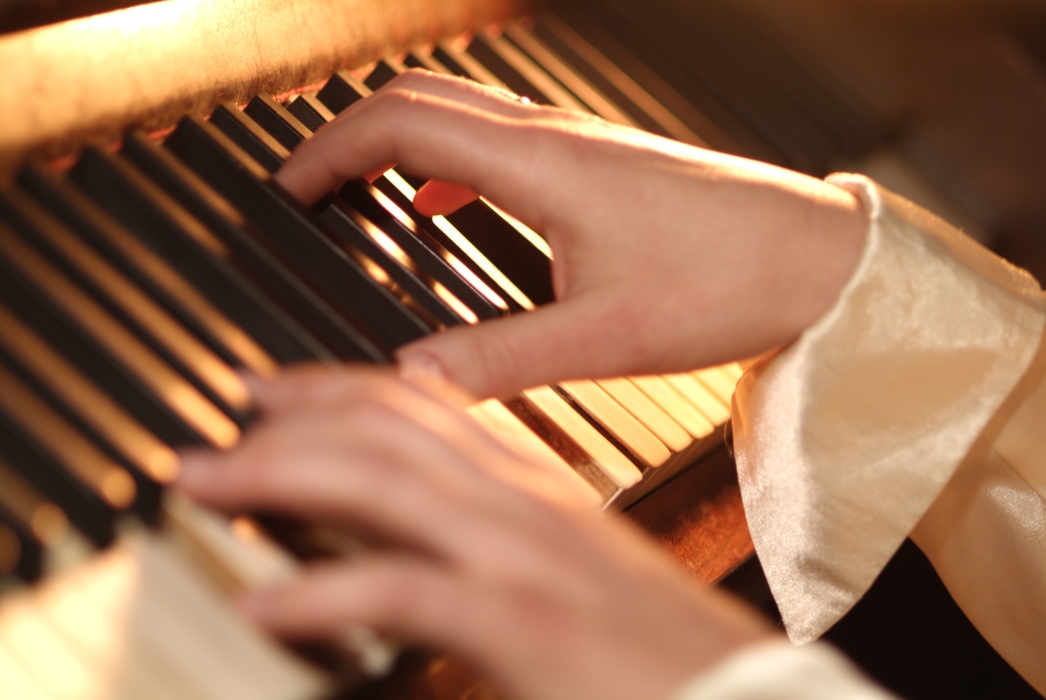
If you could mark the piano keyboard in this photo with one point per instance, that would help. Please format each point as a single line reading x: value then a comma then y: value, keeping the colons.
x: 135, y: 287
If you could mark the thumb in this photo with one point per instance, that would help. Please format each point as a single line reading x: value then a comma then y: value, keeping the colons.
x: 501, y: 357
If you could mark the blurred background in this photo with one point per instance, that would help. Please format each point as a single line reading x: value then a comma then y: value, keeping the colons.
x: 941, y: 100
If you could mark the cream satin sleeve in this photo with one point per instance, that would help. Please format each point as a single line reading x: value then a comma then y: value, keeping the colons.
x: 915, y: 406
x: 776, y: 670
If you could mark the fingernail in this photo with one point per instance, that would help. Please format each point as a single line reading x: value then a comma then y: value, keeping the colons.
x: 421, y: 368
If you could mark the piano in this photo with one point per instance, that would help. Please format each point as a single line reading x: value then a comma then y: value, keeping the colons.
x: 146, y: 258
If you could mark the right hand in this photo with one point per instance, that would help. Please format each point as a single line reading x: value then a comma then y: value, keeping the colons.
x: 500, y: 559
x: 667, y: 257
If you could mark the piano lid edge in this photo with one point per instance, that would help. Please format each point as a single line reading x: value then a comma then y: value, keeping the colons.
x: 88, y: 80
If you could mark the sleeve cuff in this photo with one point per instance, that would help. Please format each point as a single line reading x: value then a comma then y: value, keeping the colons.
x: 845, y: 438
x: 779, y: 671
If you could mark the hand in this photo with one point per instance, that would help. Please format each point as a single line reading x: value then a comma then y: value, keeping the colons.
x: 666, y: 257
x: 498, y: 559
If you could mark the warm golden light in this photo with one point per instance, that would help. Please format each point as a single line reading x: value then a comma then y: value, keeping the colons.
x: 118, y: 488
x: 530, y: 234
x: 44, y: 653
x: 163, y: 465
x: 465, y: 244
x: 374, y: 270
x: 400, y: 184
x: 49, y: 524
x: 134, y: 19
x: 454, y: 303
x: 451, y: 232
x: 214, y: 425
x: 244, y: 529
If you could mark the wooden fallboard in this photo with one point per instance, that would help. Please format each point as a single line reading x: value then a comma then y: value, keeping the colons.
x: 90, y: 79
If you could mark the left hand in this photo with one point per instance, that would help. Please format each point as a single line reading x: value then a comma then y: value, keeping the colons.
x: 499, y: 559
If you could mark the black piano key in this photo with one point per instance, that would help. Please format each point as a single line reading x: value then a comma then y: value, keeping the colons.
x: 444, y: 242
x: 38, y: 311
x: 319, y: 331
x: 21, y: 553
x: 606, y: 77
x: 418, y: 59
x: 47, y: 472
x: 425, y: 254
x: 83, y: 402
x: 443, y: 56
x: 349, y: 233
x: 385, y: 70
x: 341, y: 91
x: 137, y: 312
x: 210, y: 278
x: 314, y: 114
x: 525, y: 265
x: 363, y: 234
x: 30, y: 525
x: 350, y: 227
x: 162, y: 224
x: 69, y: 393
x: 310, y: 111
x: 480, y: 48
x: 258, y: 144
x: 425, y: 251
x: 106, y: 332
x: 295, y: 232
x: 151, y: 272
x: 149, y: 488
x: 283, y: 126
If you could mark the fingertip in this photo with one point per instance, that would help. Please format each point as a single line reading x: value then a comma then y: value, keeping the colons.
x: 196, y: 472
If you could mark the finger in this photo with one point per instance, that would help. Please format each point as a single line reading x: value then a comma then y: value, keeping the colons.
x: 315, y: 384
x: 438, y: 197
x: 429, y: 136
x: 400, y: 595
x: 464, y: 91
x: 570, y: 339
x: 393, y: 478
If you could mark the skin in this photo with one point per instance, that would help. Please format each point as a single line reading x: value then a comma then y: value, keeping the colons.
x: 666, y: 257
x: 495, y: 557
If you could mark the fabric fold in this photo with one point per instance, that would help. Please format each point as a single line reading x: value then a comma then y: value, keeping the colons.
x: 847, y: 437
x: 778, y: 670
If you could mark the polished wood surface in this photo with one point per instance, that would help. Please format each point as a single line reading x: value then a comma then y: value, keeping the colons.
x: 146, y: 66
x: 699, y: 519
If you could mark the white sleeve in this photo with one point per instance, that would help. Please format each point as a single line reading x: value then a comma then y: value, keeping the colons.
x: 779, y: 671
x: 913, y: 407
